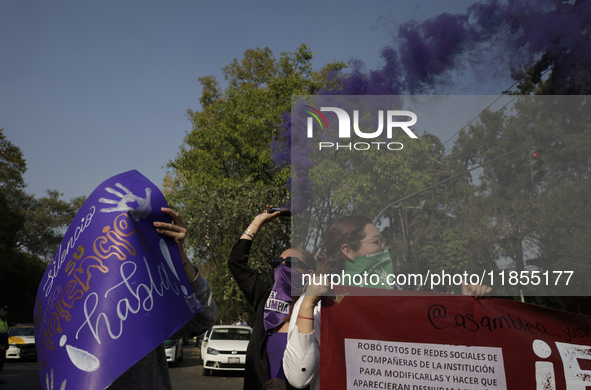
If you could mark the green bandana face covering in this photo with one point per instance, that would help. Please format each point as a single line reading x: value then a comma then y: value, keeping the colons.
x: 370, y: 271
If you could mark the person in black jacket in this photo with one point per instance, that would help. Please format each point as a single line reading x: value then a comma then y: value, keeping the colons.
x: 261, y: 370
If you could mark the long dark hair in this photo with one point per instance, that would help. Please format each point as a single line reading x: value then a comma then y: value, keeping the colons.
x: 346, y: 230
x: 309, y: 263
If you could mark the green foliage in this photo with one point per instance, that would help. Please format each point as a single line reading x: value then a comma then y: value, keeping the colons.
x: 451, y: 255
x: 12, y: 166
x: 45, y: 222
x: 349, y: 182
x: 12, y: 223
x: 563, y: 228
x: 232, y: 133
x: 223, y: 176
x: 504, y: 184
x: 424, y: 231
x: 473, y: 221
x: 550, y: 218
x: 31, y: 231
x: 19, y: 281
x: 217, y: 218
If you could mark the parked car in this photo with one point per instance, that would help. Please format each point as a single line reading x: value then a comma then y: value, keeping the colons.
x: 174, y: 350
x: 199, y: 339
x: 224, y: 348
x: 21, y: 342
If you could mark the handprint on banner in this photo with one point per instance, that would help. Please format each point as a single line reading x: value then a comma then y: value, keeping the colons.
x: 144, y: 207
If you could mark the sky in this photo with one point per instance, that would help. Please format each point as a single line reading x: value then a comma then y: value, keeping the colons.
x: 92, y: 89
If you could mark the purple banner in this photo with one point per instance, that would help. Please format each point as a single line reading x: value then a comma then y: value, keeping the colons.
x: 114, y: 290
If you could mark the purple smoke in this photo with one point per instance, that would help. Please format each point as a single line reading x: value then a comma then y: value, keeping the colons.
x: 521, y: 31
x: 491, y: 37
x: 296, y: 150
x: 374, y: 82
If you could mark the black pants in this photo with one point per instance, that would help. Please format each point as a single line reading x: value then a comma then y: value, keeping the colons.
x: 2, y: 358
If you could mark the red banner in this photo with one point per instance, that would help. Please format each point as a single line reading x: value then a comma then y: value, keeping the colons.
x: 443, y: 342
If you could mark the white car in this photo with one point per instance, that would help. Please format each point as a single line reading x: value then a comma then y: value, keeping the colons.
x: 224, y: 348
x: 21, y: 342
x: 174, y: 350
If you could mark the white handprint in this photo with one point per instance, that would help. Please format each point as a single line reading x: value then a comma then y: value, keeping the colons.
x: 144, y: 207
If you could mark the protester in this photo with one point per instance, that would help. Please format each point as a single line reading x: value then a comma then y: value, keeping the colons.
x: 151, y: 372
x: 240, y: 322
x: 269, y: 337
x: 346, y: 241
x: 3, y: 337
x: 355, y: 246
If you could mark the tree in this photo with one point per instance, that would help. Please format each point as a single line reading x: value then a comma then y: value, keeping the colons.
x: 566, y: 54
x: 224, y: 174
x: 12, y: 223
x: 348, y: 182
x: 516, y: 210
x: 46, y: 220
x: 12, y: 168
x: 31, y: 231
x: 19, y: 281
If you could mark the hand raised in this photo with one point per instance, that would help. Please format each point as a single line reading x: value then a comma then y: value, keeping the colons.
x: 265, y: 217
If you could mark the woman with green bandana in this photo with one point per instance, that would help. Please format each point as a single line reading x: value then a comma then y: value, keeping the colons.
x: 357, y: 251
x: 353, y: 246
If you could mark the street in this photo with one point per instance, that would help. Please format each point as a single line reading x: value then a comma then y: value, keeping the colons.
x: 188, y: 374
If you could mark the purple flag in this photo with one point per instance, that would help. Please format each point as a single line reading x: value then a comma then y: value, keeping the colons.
x: 114, y: 290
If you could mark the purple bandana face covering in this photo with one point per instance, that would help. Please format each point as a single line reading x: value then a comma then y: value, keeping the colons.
x: 279, y: 301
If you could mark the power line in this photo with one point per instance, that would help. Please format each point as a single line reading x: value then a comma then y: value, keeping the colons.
x: 449, y: 178
x: 500, y: 96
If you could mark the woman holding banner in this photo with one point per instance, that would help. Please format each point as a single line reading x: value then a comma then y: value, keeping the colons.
x: 273, y: 306
x: 151, y: 372
x: 354, y: 245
